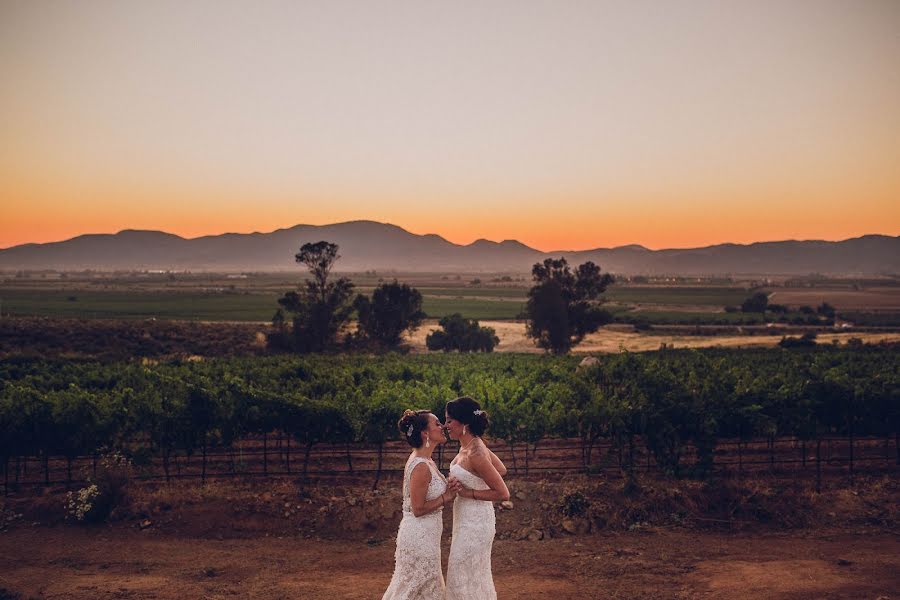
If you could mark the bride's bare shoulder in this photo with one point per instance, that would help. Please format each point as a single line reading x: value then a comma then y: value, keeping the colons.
x: 478, y: 449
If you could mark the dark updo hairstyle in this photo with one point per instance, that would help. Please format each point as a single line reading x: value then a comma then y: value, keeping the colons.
x: 418, y: 420
x: 463, y: 410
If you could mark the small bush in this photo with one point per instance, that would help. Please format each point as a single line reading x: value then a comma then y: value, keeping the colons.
x: 574, y: 504
x: 855, y: 343
x: 807, y: 340
x: 104, y: 492
x: 642, y: 325
x: 83, y: 506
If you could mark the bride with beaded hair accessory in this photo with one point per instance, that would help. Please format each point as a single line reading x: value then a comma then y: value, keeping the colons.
x: 476, y: 475
x: 417, y: 559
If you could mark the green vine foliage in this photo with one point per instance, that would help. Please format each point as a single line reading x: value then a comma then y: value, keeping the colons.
x: 670, y: 400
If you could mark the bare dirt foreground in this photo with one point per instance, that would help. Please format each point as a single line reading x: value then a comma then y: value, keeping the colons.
x: 103, y: 562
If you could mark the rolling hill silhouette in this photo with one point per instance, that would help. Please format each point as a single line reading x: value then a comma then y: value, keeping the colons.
x: 366, y: 245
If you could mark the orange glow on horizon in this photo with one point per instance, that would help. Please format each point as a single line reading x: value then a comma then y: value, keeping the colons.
x: 656, y: 226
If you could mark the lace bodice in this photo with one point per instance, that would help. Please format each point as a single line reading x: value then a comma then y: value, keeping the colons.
x: 436, y: 487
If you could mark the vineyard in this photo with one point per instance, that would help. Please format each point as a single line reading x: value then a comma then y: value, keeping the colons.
x: 682, y: 413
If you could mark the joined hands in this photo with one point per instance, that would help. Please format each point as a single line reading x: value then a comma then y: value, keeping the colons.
x: 455, y: 487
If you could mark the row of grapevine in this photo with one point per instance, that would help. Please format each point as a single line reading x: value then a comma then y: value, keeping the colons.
x: 671, y: 400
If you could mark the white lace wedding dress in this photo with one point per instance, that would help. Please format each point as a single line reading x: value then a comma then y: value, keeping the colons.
x: 417, y: 560
x: 469, y: 574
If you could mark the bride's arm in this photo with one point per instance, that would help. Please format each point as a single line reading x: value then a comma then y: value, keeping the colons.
x: 498, y: 464
x: 481, y: 464
x: 419, y: 481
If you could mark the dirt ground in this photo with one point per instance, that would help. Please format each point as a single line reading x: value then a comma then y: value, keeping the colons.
x: 108, y: 562
x: 615, y: 339
x: 281, y: 540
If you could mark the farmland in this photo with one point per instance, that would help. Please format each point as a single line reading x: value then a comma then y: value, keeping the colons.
x: 161, y: 339
x: 253, y: 297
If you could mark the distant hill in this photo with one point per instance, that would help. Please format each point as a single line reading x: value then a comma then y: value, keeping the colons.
x: 366, y: 245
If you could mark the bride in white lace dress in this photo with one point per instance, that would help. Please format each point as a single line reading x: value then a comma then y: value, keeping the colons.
x: 417, y: 560
x: 476, y: 474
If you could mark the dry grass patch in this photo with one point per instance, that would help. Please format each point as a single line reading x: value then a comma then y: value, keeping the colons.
x: 618, y: 338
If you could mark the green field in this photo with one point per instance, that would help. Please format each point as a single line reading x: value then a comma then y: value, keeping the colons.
x: 490, y: 292
x: 705, y: 296
x: 227, y: 306
x: 472, y: 309
x: 254, y: 302
x: 139, y: 305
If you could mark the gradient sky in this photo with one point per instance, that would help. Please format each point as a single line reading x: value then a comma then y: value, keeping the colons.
x: 565, y: 125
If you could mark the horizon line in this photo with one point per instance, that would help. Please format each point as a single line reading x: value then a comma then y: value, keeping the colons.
x: 384, y: 223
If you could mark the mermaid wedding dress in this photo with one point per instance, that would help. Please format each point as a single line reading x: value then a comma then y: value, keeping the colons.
x: 417, y: 560
x: 469, y: 574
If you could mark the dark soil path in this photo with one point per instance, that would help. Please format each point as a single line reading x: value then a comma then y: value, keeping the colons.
x: 116, y: 562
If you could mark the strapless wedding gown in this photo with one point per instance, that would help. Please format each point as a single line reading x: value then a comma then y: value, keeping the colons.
x: 469, y: 574
x: 417, y: 560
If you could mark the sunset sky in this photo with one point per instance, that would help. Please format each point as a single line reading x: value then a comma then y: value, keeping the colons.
x: 565, y: 125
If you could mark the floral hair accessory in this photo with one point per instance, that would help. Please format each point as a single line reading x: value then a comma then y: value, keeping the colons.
x: 409, y: 431
x: 478, y: 412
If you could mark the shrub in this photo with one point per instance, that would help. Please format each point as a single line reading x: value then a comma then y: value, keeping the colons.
x: 574, y: 504
x: 82, y: 505
x: 462, y: 334
x: 104, y: 492
x: 807, y: 340
x: 755, y: 303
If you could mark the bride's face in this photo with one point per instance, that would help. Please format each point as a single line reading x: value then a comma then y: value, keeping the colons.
x: 435, y: 431
x: 454, y: 428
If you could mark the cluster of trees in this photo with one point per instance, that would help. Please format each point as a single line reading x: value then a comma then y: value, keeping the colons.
x: 670, y: 400
x: 563, y: 307
x: 323, y: 307
x: 804, y: 315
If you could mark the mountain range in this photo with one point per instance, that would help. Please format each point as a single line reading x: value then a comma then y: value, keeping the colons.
x: 368, y: 245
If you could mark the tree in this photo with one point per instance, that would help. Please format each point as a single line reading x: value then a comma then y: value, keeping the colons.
x: 563, y: 306
x: 756, y: 303
x: 393, y: 309
x: 826, y: 310
x: 322, y: 307
x: 464, y: 335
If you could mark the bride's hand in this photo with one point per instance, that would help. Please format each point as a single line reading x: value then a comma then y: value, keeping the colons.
x: 462, y: 490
